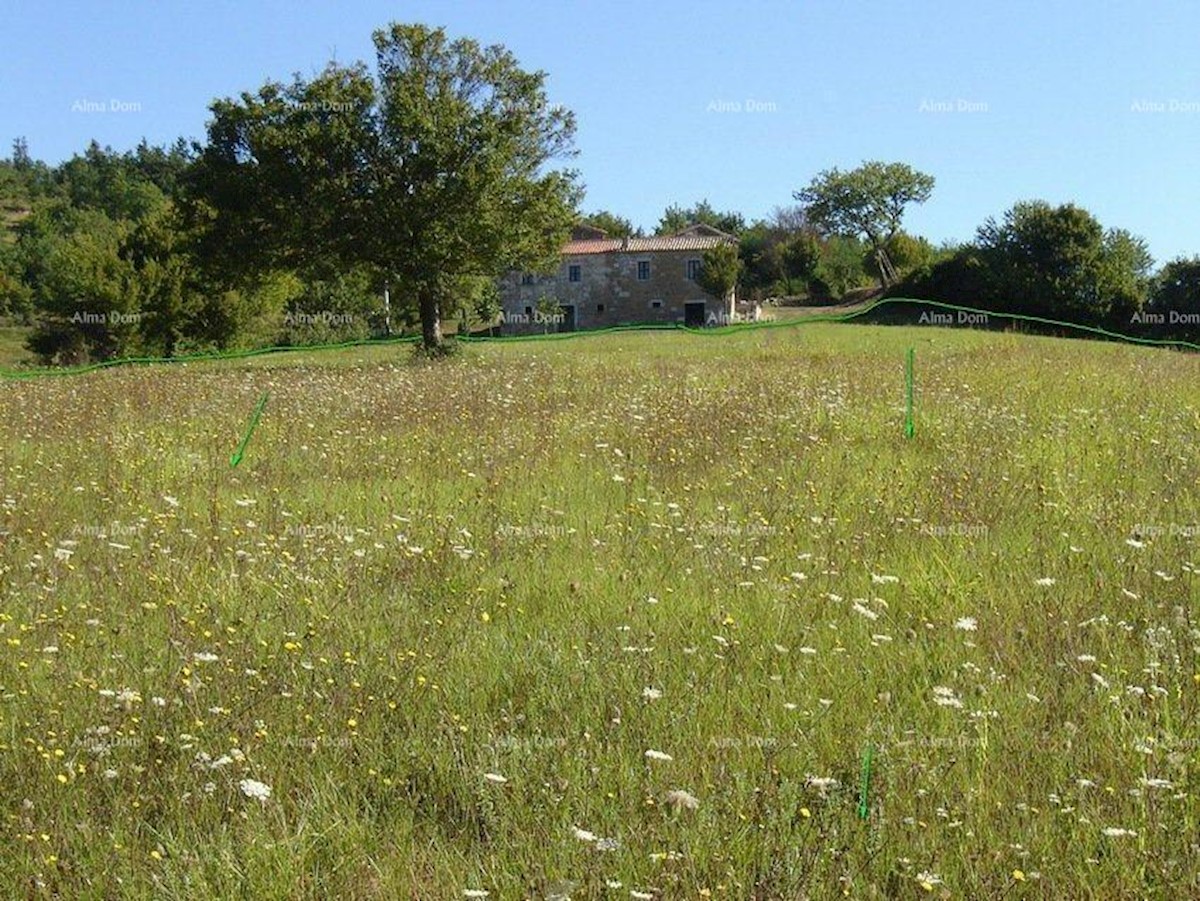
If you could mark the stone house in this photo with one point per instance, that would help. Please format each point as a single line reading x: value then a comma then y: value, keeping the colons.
x: 603, y: 282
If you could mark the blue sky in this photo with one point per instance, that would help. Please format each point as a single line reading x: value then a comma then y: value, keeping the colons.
x: 1096, y: 103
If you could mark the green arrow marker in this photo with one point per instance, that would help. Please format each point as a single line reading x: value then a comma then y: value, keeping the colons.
x: 909, y: 428
x: 863, y: 807
x: 237, y: 455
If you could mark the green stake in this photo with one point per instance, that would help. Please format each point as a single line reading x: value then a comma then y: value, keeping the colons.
x: 237, y: 455
x: 863, y: 808
x: 909, y: 428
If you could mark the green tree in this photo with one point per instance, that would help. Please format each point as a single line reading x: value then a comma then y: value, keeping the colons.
x: 1176, y: 289
x: 436, y: 170
x: 1060, y: 262
x: 719, y: 270
x: 549, y: 312
x: 84, y: 292
x: 869, y: 201
x: 906, y: 253
x: 613, y: 225
x: 800, y: 256
x: 840, y: 269
x: 676, y: 218
x: 21, y: 160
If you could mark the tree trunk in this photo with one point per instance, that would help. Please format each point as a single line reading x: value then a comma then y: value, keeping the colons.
x: 431, y: 320
x: 887, y: 272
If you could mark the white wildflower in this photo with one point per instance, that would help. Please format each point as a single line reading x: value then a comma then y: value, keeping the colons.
x: 946, y: 697
x: 252, y: 788
x: 865, y: 611
x: 682, y: 800
x: 966, y: 624
x: 821, y: 783
x: 658, y: 755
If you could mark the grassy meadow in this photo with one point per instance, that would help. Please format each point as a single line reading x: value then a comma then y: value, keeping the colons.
x: 607, y: 617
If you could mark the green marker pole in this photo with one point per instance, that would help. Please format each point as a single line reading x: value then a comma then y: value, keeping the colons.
x: 909, y: 428
x: 863, y: 807
x: 237, y: 455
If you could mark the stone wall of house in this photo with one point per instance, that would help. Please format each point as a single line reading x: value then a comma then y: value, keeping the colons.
x: 609, y: 292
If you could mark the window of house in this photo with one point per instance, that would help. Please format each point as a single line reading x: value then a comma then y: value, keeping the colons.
x: 529, y: 311
x: 656, y: 304
x: 643, y: 270
x: 693, y: 269
x: 527, y: 279
x: 574, y: 274
x: 599, y: 308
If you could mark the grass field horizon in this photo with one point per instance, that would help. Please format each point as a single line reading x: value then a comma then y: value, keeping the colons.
x: 606, y: 618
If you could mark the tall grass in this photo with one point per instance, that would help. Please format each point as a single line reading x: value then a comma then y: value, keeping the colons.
x: 444, y: 611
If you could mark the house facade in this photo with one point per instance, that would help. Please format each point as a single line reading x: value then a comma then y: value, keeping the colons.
x: 603, y: 282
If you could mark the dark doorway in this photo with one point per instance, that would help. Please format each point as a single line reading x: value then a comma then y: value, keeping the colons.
x: 693, y: 314
x: 567, y: 323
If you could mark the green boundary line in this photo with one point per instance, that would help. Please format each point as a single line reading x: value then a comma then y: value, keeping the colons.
x: 864, y: 789
x: 909, y: 427
x: 589, y: 333
x: 241, y: 451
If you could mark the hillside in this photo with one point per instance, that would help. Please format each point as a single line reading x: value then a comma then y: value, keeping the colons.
x: 606, y: 615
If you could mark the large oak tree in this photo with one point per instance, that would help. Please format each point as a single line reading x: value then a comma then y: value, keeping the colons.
x: 434, y: 172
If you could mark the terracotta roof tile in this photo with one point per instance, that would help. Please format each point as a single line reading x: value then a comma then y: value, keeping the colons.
x: 642, y: 245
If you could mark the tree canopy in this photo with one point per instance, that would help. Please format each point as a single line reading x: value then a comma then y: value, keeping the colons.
x: 869, y: 201
x: 1060, y: 261
x: 613, y: 225
x: 435, y: 171
x: 719, y: 270
x: 675, y: 218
